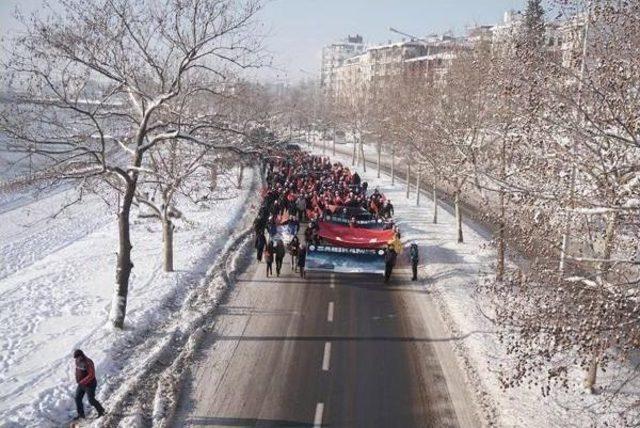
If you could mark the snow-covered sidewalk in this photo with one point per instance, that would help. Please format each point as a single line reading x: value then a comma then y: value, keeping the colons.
x: 56, y: 285
x: 450, y: 273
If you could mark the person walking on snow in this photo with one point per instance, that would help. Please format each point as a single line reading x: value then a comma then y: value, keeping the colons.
x: 387, y: 209
x: 280, y: 252
x: 268, y: 257
x: 302, y: 258
x: 87, y: 383
x: 389, y: 262
x: 301, y: 205
x: 261, y: 241
x: 294, y: 247
x: 415, y: 258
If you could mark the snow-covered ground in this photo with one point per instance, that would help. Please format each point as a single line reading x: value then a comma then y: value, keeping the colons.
x: 56, y: 285
x: 450, y: 273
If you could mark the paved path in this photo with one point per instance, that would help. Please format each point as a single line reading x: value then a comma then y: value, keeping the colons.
x: 343, y: 351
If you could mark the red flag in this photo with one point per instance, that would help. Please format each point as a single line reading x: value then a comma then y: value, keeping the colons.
x: 345, y: 236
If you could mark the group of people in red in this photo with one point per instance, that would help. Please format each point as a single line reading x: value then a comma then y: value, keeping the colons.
x: 301, y: 186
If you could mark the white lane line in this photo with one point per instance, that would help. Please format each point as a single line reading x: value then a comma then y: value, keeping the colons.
x: 317, y: 420
x: 327, y: 356
x: 330, y: 312
x: 332, y: 283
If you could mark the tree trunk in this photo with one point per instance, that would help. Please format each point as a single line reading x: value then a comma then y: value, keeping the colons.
x: 324, y: 144
x: 355, y: 148
x: 408, y: 178
x: 393, y: 166
x: 592, y: 375
x: 379, y: 159
x: 565, y: 236
x: 240, y: 177
x: 501, y: 226
x: 435, y: 202
x: 418, y: 186
x: 604, y: 270
x: 334, y: 141
x: 167, y: 238
x: 456, y: 201
x: 609, y: 239
x: 124, y: 264
x: 501, y: 243
x: 364, y: 159
x: 213, y: 177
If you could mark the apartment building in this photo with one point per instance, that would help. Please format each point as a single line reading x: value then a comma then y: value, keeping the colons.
x: 334, y: 56
x: 348, y: 67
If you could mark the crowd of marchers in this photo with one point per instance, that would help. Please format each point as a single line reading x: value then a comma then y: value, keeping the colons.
x: 304, y: 187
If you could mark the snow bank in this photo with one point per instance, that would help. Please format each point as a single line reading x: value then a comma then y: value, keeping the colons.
x: 56, y: 287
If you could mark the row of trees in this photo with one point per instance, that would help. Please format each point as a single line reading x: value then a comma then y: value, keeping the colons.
x: 136, y: 98
x: 547, y: 144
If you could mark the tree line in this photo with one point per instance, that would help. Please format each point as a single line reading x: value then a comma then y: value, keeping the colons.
x: 136, y: 101
x: 546, y: 144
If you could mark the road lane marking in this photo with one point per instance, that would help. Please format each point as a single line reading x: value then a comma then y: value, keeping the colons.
x: 317, y: 420
x: 330, y: 312
x: 327, y: 356
x: 332, y: 283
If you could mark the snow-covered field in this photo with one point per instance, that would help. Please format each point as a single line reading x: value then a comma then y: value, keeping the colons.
x: 450, y: 274
x: 56, y: 285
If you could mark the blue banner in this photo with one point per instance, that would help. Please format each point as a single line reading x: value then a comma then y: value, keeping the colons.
x: 344, y: 260
x: 285, y: 233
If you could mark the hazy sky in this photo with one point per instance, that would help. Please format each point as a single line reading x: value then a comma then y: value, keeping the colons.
x: 299, y: 28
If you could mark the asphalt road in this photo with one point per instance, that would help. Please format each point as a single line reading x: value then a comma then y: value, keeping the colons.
x: 340, y: 351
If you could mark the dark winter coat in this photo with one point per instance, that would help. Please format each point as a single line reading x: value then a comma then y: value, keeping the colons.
x: 390, y: 257
x: 302, y: 257
x: 261, y: 241
x: 413, y: 253
x: 294, y: 246
x: 280, y: 250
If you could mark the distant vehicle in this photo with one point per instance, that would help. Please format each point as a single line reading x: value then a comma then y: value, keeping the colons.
x: 292, y: 146
x: 340, y: 137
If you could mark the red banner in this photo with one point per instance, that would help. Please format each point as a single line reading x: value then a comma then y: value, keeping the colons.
x: 354, y: 237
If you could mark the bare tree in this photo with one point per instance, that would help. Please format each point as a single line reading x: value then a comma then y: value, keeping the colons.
x: 578, y: 154
x: 104, y: 83
x: 462, y: 113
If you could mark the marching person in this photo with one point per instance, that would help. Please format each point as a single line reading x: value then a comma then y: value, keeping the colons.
x: 415, y: 258
x: 268, y: 257
x: 301, y: 205
x: 261, y: 241
x: 280, y: 252
x: 387, y: 209
x: 87, y: 383
x: 302, y: 259
x: 294, y: 247
x: 389, y: 261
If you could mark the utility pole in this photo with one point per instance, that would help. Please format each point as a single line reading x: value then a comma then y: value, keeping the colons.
x: 324, y: 142
x: 435, y: 200
x: 379, y: 157
x: 419, y: 172
x: 572, y: 190
x: 501, y: 243
x: 334, y: 140
x: 393, y: 164
x: 408, y: 177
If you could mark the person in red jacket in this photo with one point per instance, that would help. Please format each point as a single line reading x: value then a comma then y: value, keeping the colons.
x: 87, y: 383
